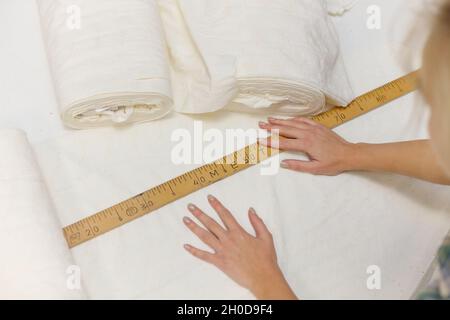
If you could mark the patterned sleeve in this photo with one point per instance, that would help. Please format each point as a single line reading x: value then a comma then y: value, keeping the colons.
x: 440, y: 289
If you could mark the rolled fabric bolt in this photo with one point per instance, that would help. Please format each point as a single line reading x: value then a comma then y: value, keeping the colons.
x: 270, y: 56
x: 339, y: 7
x: 110, y: 69
x: 36, y: 262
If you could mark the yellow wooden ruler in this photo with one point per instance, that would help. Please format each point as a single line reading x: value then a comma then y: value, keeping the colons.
x: 159, y: 196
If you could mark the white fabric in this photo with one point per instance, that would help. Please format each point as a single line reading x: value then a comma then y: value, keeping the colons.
x: 279, y: 57
x: 113, y: 68
x: 328, y: 230
x: 34, y: 258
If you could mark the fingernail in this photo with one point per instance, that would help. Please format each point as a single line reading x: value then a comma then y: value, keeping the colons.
x: 252, y: 211
x: 262, y: 124
x: 211, y: 198
x: 284, y: 165
x: 187, y: 247
x: 191, y: 207
x: 187, y: 220
x: 264, y: 142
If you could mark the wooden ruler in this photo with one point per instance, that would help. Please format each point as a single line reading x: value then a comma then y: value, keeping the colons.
x: 190, y: 182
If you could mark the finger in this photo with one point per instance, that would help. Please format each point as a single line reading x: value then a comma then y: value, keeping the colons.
x: 207, y: 237
x: 200, y: 254
x: 259, y: 226
x: 301, y: 166
x: 282, y: 143
x: 207, y: 221
x: 289, y: 123
x: 284, y: 131
x: 224, y: 214
x: 306, y: 121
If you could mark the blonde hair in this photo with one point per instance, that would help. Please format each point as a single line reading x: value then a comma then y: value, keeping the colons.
x: 435, y: 81
x: 436, y: 57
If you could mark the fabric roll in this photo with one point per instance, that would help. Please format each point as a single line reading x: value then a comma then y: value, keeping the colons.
x: 36, y: 262
x: 276, y: 56
x: 108, y: 60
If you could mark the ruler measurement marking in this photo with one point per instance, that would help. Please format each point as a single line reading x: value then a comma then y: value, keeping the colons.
x: 91, y: 234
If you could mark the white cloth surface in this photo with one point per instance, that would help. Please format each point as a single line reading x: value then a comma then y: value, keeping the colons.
x: 34, y: 258
x: 328, y: 230
x: 278, y: 57
x: 113, y: 68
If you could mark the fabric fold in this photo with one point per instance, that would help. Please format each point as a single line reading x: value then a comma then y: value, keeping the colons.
x: 197, y: 77
x: 281, y: 57
x: 36, y: 262
x: 108, y: 60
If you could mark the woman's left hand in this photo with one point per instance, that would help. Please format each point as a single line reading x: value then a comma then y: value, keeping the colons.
x: 250, y: 261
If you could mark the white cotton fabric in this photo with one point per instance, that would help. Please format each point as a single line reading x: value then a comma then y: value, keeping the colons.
x: 110, y: 65
x: 281, y: 57
x: 34, y: 256
x: 328, y: 230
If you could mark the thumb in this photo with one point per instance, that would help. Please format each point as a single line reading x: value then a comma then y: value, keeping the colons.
x: 259, y: 226
x: 301, y: 166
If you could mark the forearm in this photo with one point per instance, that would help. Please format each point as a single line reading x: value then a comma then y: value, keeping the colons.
x: 413, y: 158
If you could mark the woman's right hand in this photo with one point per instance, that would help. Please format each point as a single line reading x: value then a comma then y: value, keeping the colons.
x: 329, y: 154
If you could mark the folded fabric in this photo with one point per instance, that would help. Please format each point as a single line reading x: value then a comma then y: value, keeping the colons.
x: 35, y: 258
x: 277, y: 56
x: 108, y: 60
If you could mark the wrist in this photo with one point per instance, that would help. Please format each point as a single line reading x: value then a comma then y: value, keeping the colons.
x: 272, y: 286
x: 354, y: 157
